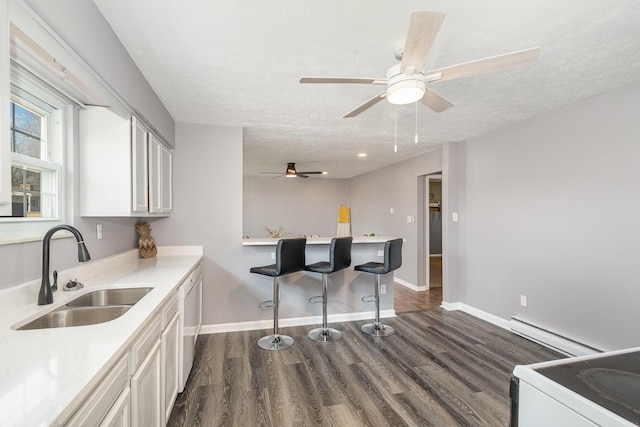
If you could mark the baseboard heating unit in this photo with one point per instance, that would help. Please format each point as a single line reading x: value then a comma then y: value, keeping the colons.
x: 551, y: 339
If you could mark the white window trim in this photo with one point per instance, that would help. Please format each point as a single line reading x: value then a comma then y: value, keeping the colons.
x: 18, y: 229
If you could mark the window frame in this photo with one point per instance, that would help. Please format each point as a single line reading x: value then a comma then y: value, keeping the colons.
x: 35, y: 95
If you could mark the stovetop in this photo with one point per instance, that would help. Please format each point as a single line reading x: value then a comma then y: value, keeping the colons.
x: 612, y: 382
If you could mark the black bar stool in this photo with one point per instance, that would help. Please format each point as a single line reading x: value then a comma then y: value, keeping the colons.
x: 392, y: 261
x: 289, y: 259
x: 339, y: 259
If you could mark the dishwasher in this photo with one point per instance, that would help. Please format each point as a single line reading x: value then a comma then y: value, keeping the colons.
x: 190, y: 300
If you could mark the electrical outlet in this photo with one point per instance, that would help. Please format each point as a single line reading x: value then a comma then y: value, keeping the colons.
x: 390, y: 210
x: 454, y: 217
x: 523, y: 300
x: 383, y: 289
x: 99, y: 231
x: 273, y: 255
x: 381, y: 253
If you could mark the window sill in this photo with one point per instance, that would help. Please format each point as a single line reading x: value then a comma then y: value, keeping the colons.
x: 22, y: 232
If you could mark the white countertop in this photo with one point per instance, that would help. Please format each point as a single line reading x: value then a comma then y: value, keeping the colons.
x: 266, y: 241
x: 45, y: 373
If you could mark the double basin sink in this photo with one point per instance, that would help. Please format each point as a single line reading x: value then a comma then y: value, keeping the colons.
x: 90, y: 309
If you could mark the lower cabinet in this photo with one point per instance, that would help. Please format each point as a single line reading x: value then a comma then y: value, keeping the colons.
x: 146, y: 399
x: 105, y: 400
x: 141, y: 388
x: 120, y: 414
x: 170, y: 364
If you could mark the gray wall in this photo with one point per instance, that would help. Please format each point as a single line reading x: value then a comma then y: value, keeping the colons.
x: 375, y: 193
x: 551, y: 210
x: 302, y: 206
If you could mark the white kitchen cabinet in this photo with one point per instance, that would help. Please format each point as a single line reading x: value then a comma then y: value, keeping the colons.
x: 105, y: 400
x: 120, y: 166
x: 119, y: 415
x: 146, y: 398
x: 160, y: 177
x: 166, y: 164
x: 139, y: 167
x: 170, y: 364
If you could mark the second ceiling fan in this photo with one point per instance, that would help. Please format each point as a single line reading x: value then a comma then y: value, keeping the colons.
x: 291, y: 172
x: 407, y: 82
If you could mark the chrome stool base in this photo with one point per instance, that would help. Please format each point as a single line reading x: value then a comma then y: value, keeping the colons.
x: 377, y: 330
x: 324, y: 335
x: 275, y: 342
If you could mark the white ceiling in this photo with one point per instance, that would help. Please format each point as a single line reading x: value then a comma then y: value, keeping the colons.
x: 238, y: 63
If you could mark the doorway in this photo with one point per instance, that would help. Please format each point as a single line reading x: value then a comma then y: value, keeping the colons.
x: 435, y: 232
x: 427, y: 293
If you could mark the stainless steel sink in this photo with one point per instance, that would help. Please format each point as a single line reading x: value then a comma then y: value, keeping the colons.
x: 108, y: 297
x: 76, y: 316
x: 90, y: 309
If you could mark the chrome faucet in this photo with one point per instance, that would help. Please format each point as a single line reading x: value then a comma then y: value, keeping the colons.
x: 46, y: 293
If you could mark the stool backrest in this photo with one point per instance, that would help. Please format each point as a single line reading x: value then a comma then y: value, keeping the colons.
x: 290, y: 255
x: 392, y: 255
x: 340, y: 253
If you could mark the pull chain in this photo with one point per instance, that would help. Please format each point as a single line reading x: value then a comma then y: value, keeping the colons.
x: 416, y: 140
x: 395, y: 129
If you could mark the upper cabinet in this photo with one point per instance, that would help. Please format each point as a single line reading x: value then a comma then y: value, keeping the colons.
x: 160, y: 178
x: 124, y: 168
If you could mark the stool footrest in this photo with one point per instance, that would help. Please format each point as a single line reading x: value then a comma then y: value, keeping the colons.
x: 316, y: 299
x: 266, y: 304
x: 369, y: 298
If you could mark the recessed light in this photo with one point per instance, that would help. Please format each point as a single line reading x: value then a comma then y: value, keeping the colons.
x: 362, y: 154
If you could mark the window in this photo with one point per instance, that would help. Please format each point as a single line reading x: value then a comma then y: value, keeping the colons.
x: 36, y: 115
x: 34, y: 176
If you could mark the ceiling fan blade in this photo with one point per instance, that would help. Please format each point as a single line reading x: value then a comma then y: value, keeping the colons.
x: 301, y: 175
x: 435, y: 101
x: 354, y: 80
x: 485, y: 65
x: 310, y: 173
x: 373, y: 101
x: 423, y: 29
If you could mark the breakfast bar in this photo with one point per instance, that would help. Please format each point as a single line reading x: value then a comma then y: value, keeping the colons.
x: 346, y: 288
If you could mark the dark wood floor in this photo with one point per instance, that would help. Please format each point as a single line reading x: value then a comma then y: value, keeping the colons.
x: 439, y: 369
x: 406, y: 300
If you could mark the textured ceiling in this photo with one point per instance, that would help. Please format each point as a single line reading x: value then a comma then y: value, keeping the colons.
x: 238, y: 63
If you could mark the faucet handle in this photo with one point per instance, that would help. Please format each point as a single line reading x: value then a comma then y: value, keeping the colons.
x: 54, y: 287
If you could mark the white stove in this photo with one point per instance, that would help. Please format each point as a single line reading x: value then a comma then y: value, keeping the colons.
x: 594, y: 390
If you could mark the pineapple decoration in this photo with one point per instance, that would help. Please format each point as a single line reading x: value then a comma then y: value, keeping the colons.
x: 146, y: 243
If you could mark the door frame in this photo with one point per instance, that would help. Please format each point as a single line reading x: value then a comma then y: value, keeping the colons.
x: 423, y: 229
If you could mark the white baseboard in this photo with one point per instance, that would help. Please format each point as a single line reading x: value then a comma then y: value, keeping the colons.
x: 410, y: 285
x: 294, y: 321
x: 552, y: 339
x: 542, y: 336
x: 487, y: 317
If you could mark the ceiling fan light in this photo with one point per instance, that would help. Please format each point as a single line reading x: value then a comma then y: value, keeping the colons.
x: 405, y: 91
x: 291, y: 170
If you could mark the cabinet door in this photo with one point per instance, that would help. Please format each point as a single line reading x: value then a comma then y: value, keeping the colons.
x: 119, y: 415
x: 166, y: 172
x: 104, y: 398
x: 146, y: 398
x: 139, y: 168
x: 170, y: 364
x: 155, y: 175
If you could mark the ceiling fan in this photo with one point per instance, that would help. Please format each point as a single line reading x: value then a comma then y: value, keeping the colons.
x: 290, y: 172
x: 407, y: 81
